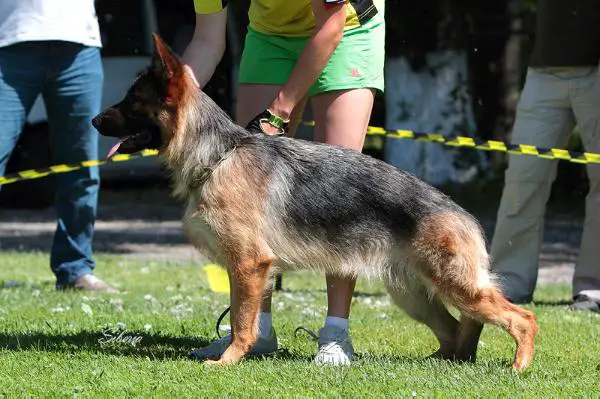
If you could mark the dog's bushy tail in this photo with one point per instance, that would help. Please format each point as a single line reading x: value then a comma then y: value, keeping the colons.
x: 451, y: 254
x: 450, y: 248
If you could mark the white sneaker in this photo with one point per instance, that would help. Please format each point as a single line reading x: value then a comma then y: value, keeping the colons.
x: 335, y: 347
x: 215, y: 350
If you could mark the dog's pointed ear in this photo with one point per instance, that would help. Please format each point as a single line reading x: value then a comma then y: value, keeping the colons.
x: 165, y: 62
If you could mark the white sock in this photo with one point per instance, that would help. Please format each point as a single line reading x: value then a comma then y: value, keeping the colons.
x: 265, y: 322
x: 338, y: 322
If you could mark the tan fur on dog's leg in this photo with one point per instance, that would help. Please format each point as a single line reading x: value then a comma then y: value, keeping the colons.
x: 453, y: 257
x: 489, y: 305
x: 249, y: 279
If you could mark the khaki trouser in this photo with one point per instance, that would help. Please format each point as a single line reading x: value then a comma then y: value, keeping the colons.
x: 552, y: 102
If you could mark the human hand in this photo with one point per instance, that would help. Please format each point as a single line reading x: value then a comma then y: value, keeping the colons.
x: 268, y: 123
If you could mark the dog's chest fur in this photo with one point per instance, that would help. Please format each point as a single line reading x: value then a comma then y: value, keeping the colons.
x: 201, y: 233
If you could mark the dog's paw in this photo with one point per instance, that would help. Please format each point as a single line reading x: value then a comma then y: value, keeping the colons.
x: 220, y: 362
x: 214, y: 363
x: 442, y: 355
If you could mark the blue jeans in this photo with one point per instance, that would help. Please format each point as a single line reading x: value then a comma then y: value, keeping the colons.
x: 69, y: 77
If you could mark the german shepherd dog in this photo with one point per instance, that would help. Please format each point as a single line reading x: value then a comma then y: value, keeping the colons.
x: 261, y: 204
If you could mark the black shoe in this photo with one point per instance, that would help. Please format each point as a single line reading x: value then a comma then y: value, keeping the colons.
x: 583, y: 302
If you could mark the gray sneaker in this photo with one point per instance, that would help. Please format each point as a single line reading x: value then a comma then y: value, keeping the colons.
x: 335, y: 347
x: 216, y: 349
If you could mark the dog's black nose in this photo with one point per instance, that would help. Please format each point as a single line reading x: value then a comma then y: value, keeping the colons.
x: 96, y: 121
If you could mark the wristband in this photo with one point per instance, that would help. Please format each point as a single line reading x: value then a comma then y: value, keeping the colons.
x: 275, y: 121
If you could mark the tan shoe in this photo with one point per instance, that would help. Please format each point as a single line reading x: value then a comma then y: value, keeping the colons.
x: 89, y: 282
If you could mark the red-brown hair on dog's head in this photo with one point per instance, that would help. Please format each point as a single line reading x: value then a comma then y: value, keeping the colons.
x: 177, y: 76
x: 149, y: 115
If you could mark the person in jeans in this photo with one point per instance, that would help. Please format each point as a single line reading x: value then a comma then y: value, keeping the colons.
x: 52, y: 48
x: 561, y: 91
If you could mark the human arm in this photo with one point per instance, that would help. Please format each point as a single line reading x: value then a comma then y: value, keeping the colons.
x: 207, y: 46
x: 329, y: 29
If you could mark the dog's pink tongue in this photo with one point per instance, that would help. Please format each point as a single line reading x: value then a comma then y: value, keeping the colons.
x: 113, y: 150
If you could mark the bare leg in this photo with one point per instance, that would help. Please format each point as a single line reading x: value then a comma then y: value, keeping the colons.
x: 342, y: 118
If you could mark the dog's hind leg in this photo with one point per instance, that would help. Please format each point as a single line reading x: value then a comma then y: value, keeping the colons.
x: 469, y: 331
x: 429, y: 310
x: 248, y: 281
x: 452, y: 256
x: 489, y: 305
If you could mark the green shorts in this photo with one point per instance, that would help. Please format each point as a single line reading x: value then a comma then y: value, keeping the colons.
x: 356, y: 63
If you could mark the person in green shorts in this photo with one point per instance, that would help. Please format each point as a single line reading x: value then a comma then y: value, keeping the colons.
x: 330, y: 52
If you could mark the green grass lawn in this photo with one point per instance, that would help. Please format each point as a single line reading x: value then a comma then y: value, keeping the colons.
x: 50, y: 342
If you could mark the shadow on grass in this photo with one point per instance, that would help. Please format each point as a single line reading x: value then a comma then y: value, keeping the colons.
x: 160, y: 347
x: 110, y: 342
x: 153, y: 346
x: 286, y: 355
x: 388, y: 358
x: 553, y: 303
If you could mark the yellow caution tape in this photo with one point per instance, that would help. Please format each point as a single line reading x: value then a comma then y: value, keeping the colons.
x: 458, y: 141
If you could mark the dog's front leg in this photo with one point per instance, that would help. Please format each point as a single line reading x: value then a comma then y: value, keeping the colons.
x: 248, y: 281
